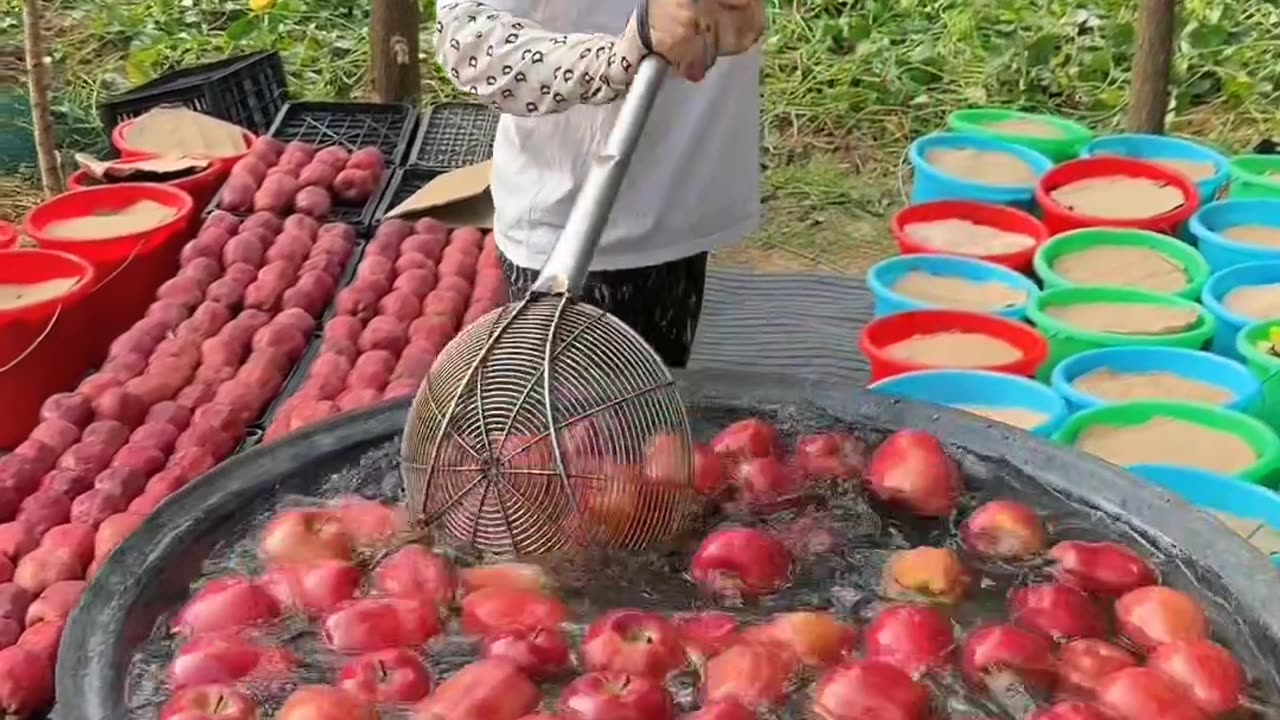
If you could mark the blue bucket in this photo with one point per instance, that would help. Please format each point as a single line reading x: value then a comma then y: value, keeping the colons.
x: 978, y: 388
x: 1219, y: 286
x: 1211, y: 491
x: 930, y: 185
x: 1191, y: 364
x: 1221, y: 253
x: 1163, y: 147
x: 882, y: 277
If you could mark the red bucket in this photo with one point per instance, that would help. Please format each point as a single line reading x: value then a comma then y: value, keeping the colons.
x: 1060, y: 219
x: 999, y: 217
x: 40, y: 344
x: 118, y: 142
x: 885, y: 331
x: 200, y: 186
x: 129, y: 267
x: 8, y: 235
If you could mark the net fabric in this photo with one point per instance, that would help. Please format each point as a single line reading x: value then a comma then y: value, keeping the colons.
x: 481, y: 461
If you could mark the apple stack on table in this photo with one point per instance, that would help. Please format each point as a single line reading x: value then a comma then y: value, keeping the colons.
x: 416, y: 286
x: 278, y: 177
x: 414, y: 633
x: 173, y: 399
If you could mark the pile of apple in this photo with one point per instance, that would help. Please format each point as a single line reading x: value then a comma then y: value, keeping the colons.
x: 1088, y: 632
x: 172, y: 399
x: 416, y: 286
x: 278, y: 178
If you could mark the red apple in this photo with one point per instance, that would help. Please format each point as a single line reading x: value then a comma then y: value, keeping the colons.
x: 509, y: 576
x: 491, y: 689
x: 667, y: 459
x: 911, y: 469
x: 1144, y: 694
x: 830, y: 456
x: 227, y: 603
x: 741, y: 561
x: 416, y: 572
x: 1205, y: 671
x: 316, y: 588
x: 226, y: 658
x: 395, y: 675
x: 914, y: 638
x: 633, y: 642
x: 750, y: 438
x: 541, y: 654
x: 303, y: 536
x: 861, y: 690
x: 321, y: 702
x: 1083, y: 663
x: 726, y: 710
x: 1059, y: 611
x: 45, y: 566
x: 56, y: 602
x: 927, y: 574
x: 1008, y: 648
x: 1101, y: 567
x: 616, y: 696
x: 113, y: 531
x: 1070, y: 711
x: 1155, y: 615
x: 762, y: 482
x: 209, y: 702
x: 43, y: 638
x: 756, y: 674
x: 490, y: 610
x: 706, y: 634
x: 369, y: 523
x: 1004, y: 529
x: 817, y: 639
x: 26, y: 682
x: 709, y: 477
x: 363, y: 626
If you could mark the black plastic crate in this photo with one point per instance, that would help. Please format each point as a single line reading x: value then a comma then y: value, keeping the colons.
x: 404, y: 183
x: 361, y: 218
x: 247, y: 90
x: 454, y: 135
x: 386, y: 126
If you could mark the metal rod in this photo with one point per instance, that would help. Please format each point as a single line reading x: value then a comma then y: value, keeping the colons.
x: 566, y: 268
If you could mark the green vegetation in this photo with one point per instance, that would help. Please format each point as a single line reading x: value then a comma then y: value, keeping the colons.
x: 847, y: 82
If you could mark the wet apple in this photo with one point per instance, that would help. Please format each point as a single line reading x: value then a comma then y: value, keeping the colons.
x: 818, y: 639
x: 1101, y: 567
x: 209, y: 702
x: 725, y: 710
x: 1206, y: 672
x: 998, y: 648
x: 302, y: 536
x: 755, y: 674
x: 395, y: 675
x: 1059, y: 611
x: 320, y: 702
x: 914, y: 638
x: 863, y: 689
x: 750, y: 438
x: 226, y: 604
x: 1145, y: 694
x: 313, y: 589
x: 493, y: 609
x: 541, y: 653
x: 616, y: 696
x: 1155, y: 615
x: 1083, y: 663
x: 925, y: 574
x: 1070, y: 711
x: 507, y: 576
x: 369, y: 625
x: 417, y: 573
x: 741, y: 561
x: 1004, y: 529
x: 706, y: 634
x: 634, y: 643
x: 830, y: 456
x: 490, y: 689
x: 911, y: 469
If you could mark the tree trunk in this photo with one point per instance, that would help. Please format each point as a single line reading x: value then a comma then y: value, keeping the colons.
x: 1152, y: 62
x: 393, y: 43
x: 41, y: 118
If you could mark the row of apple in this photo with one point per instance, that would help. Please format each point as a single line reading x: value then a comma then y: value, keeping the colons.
x: 172, y: 399
x: 416, y: 286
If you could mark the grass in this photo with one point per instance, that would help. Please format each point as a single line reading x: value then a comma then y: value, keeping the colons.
x: 847, y: 84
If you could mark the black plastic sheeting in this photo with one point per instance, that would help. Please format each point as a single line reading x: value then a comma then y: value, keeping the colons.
x: 150, y: 572
x: 802, y: 325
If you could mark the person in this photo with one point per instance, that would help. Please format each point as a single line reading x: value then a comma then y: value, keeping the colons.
x: 556, y: 70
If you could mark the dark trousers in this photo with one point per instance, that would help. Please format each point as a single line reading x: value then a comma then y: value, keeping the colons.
x: 660, y: 302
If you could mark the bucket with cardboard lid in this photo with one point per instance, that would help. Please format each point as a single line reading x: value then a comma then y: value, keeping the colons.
x: 1010, y: 399
x: 1255, y: 177
x: 1240, y: 296
x: 198, y: 177
x: 178, y: 131
x: 1235, y: 232
x: 1126, y: 257
x: 950, y: 166
x: 42, y: 326
x: 950, y: 339
x: 131, y: 233
x: 1056, y: 138
x: 1115, y: 192
x: 1088, y: 317
x: 1184, y: 434
x: 1123, y: 374
x: 921, y: 282
x: 997, y: 234
x: 1206, y: 167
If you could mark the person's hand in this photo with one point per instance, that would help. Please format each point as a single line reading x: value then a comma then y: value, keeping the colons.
x: 739, y: 24
x: 691, y: 34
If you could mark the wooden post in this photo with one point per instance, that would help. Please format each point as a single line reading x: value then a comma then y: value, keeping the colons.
x: 393, y: 48
x: 1152, y: 62
x: 41, y: 117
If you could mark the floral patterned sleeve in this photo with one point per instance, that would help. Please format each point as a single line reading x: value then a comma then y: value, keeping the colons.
x: 523, y: 69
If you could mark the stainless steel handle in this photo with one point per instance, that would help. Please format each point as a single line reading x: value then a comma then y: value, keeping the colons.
x: 567, y: 265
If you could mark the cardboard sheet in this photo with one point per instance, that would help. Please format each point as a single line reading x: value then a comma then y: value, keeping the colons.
x: 136, y: 218
x: 183, y: 132
x: 458, y: 199
x: 13, y: 295
x: 157, y: 169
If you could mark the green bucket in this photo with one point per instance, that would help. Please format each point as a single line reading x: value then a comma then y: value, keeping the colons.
x: 1180, y: 253
x: 1074, y: 136
x: 1262, y: 439
x: 1066, y: 340
x: 1250, y: 180
x: 1265, y: 367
